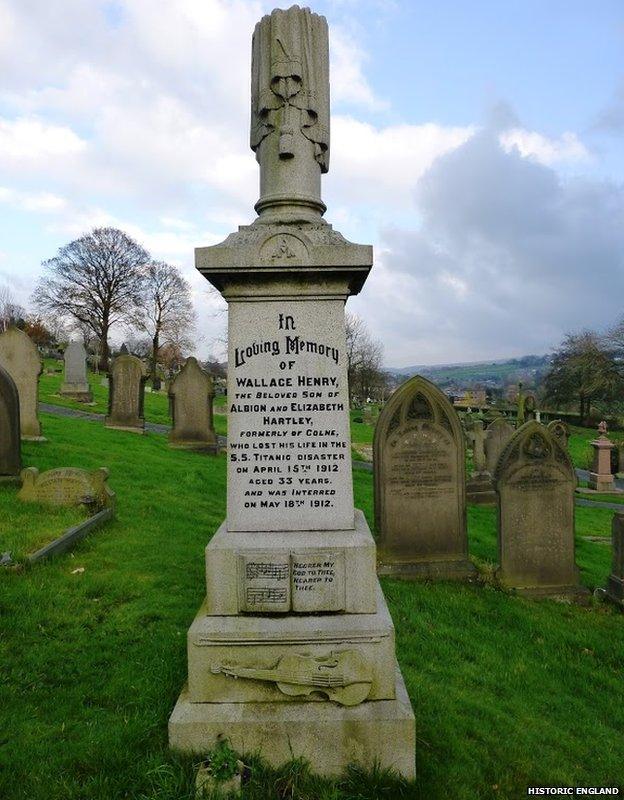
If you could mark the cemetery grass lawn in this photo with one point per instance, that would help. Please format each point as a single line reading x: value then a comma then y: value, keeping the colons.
x: 156, y: 403
x: 25, y: 527
x: 507, y: 692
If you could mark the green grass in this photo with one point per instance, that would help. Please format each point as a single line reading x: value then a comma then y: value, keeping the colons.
x: 156, y: 404
x: 25, y: 527
x: 506, y: 692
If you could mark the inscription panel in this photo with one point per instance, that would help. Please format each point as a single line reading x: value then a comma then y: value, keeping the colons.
x: 300, y: 581
x: 289, y: 447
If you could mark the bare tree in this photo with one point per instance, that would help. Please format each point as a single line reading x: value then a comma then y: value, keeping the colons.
x: 95, y: 281
x: 11, y: 313
x: 168, y: 317
x: 364, y: 360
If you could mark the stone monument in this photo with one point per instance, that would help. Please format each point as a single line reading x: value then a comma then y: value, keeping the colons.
x: 76, y: 384
x: 292, y: 653
x: 600, y: 476
x: 420, y: 493
x: 20, y: 358
x: 615, y: 585
x: 126, y: 393
x: 498, y: 433
x: 191, y: 394
x: 479, y: 488
x: 10, y: 444
x: 561, y: 430
x: 535, y: 481
x: 67, y: 486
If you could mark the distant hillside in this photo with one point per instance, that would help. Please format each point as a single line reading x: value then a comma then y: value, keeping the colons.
x: 487, y: 373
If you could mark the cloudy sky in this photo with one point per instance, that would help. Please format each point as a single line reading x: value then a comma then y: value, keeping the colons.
x: 477, y: 144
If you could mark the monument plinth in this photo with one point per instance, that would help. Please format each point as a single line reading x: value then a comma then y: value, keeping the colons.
x: 294, y: 645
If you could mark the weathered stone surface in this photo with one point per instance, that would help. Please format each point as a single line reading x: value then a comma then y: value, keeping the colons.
x: 560, y: 429
x: 326, y: 735
x: 353, y: 579
x: 420, y: 504
x: 76, y: 384
x: 289, y: 462
x: 600, y: 476
x: 67, y: 486
x: 615, y: 585
x: 535, y: 481
x: 126, y: 393
x: 479, y: 487
x: 20, y: 358
x: 498, y: 433
x: 290, y: 112
x: 10, y: 444
x: 260, y: 641
x: 191, y: 395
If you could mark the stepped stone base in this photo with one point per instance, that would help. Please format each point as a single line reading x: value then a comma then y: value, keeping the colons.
x: 79, y: 392
x: 601, y: 483
x: 459, y: 569
x: 327, y: 735
x: 480, y: 490
x: 258, y: 642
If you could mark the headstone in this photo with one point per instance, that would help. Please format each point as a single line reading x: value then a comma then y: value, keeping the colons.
x: 76, y: 384
x: 535, y: 481
x: 479, y: 488
x: 126, y: 392
x: 600, y: 476
x: 10, y: 444
x: 498, y: 433
x: 67, y: 486
x: 621, y: 458
x: 191, y: 395
x: 20, y: 358
x: 560, y: 430
x: 420, y: 502
x: 294, y: 611
x: 615, y: 584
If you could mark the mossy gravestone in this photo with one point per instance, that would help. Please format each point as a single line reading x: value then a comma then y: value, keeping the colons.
x: 126, y: 392
x: 76, y: 384
x: 420, y: 504
x: 498, y: 433
x: 191, y: 395
x: 535, y: 481
x: 20, y: 358
x: 10, y: 458
x: 560, y: 430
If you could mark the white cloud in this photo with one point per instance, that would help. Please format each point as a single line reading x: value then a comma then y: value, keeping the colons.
x: 42, y: 202
x: 531, y: 144
x: 348, y: 83
x: 31, y: 139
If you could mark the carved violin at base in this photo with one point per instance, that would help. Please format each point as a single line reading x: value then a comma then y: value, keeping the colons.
x: 343, y: 677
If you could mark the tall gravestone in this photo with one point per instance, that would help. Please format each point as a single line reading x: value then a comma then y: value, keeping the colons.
x: 126, y: 394
x: 498, y: 433
x: 76, y: 384
x: 615, y: 585
x: 10, y: 444
x: 191, y: 395
x: 292, y: 652
x: 20, y: 358
x: 420, y: 495
x: 535, y: 481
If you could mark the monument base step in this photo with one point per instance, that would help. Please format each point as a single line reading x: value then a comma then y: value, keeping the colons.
x: 219, y: 648
x: 577, y: 594
x: 200, y: 447
x: 601, y: 483
x: 27, y: 438
x: 127, y: 428
x: 461, y: 569
x: 480, y: 491
x: 328, y: 736
x: 301, y: 571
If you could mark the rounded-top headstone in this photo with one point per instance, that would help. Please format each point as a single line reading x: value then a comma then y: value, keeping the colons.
x: 20, y: 358
x: 10, y: 457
